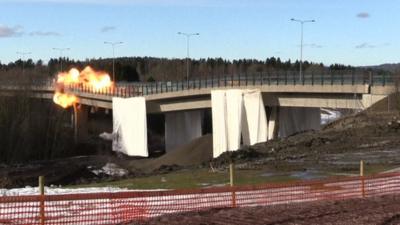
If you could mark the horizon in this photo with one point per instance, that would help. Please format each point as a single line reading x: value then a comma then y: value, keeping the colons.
x: 351, y: 33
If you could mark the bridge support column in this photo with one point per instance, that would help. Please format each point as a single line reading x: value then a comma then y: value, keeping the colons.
x: 181, y: 128
x: 80, y: 123
x: 297, y: 119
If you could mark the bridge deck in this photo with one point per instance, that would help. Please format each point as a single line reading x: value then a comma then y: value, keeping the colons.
x: 344, y: 91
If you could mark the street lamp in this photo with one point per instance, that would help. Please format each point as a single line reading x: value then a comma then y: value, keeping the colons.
x: 61, y: 50
x: 23, y: 54
x: 113, y: 44
x: 302, y: 22
x: 188, y: 35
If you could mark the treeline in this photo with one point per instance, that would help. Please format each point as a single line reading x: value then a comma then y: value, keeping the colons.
x: 151, y: 69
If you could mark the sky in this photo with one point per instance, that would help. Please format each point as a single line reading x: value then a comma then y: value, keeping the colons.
x: 355, y: 32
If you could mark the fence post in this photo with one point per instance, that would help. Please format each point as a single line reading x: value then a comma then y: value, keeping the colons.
x: 277, y: 78
x: 41, y: 190
x: 212, y: 80
x: 383, y: 79
x: 286, y: 77
x: 294, y: 78
x: 362, y: 178
x: 342, y: 78
x: 206, y: 82
x: 312, y: 77
x: 231, y: 178
x: 225, y: 80
x: 200, y: 80
x: 371, y: 79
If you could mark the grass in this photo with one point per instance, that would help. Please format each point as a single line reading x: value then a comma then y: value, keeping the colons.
x: 191, y: 179
x: 197, y: 178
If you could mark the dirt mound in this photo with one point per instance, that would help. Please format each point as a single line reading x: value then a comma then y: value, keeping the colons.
x: 194, y: 153
x: 390, y: 103
x: 376, y: 115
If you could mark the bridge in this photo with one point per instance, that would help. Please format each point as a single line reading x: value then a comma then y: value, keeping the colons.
x: 280, y: 93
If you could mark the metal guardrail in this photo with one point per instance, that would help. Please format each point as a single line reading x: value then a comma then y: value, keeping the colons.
x: 123, y: 89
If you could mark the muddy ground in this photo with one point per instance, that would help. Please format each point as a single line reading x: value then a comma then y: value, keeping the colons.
x: 372, y: 136
x: 383, y: 210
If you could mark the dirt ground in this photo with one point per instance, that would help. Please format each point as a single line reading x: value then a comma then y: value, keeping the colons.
x: 383, y: 210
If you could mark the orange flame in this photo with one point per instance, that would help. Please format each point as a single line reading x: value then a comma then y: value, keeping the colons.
x: 64, y: 100
x: 87, y: 77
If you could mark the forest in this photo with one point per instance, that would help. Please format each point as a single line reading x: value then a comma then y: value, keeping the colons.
x: 147, y: 69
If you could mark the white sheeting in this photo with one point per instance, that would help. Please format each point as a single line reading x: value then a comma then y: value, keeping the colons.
x: 218, y: 108
x: 296, y: 119
x: 237, y: 113
x: 234, y: 111
x: 256, y: 118
x: 130, y: 126
x: 181, y: 128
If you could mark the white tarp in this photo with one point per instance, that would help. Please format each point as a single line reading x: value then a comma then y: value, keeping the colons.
x: 236, y: 113
x: 130, y: 126
x: 181, y: 128
x: 255, y: 130
x: 218, y: 108
x: 297, y: 119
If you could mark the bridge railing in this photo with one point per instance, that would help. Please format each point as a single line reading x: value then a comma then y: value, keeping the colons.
x: 221, y: 81
x: 213, y: 81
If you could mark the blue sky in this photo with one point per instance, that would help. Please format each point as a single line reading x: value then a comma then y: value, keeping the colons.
x: 357, y: 32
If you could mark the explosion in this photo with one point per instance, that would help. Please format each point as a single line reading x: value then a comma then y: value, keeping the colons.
x: 94, y: 80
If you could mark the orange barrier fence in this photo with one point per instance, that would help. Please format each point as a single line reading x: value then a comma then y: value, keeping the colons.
x: 127, y: 207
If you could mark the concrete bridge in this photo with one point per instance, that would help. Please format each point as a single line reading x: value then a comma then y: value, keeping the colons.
x: 346, y: 91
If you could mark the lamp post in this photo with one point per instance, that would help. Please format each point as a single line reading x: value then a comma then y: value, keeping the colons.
x: 188, y: 35
x: 113, y: 44
x: 61, y: 50
x: 23, y: 54
x: 302, y: 22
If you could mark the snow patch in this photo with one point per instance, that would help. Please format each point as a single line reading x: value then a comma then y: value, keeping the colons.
x: 59, y: 191
x: 107, y: 136
x: 328, y: 116
x: 111, y: 169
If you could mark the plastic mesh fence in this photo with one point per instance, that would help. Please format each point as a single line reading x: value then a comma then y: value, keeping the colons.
x: 127, y: 207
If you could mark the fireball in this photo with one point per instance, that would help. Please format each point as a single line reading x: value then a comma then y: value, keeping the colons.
x: 64, y: 100
x: 95, y: 80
